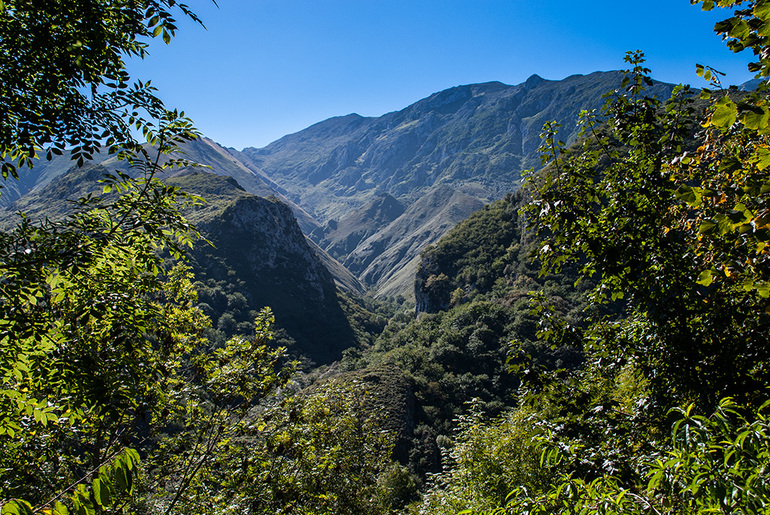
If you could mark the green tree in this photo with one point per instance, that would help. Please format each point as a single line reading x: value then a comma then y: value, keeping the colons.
x: 638, y: 208
x: 105, y: 375
x: 323, y: 450
x: 65, y: 85
x: 713, y: 464
x: 665, y: 208
x: 102, y: 353
x: 488, y: 459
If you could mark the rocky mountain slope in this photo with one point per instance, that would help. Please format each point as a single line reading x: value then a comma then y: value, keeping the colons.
x: 474, y: 139
x: 388, y: 258
x: 259, y: 241
x: 373, y: 192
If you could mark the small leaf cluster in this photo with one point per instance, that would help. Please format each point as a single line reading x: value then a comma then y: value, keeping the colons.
x: 65, y: 83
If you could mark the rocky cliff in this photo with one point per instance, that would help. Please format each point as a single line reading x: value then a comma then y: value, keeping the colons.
x: 258, y: 241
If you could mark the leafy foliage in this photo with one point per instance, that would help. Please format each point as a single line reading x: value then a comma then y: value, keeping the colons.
x: 65, y: 84
x: 666, y: 217
x: 488, y: 459
x: 320, y: 451
x: 471, y: 258
x: 118, y: 396
x: 103, y: 354
x: 112, y: 400
x: 714, y: 465
x: 630, y: 209
x: 661, y: 208
x: 459, y: 352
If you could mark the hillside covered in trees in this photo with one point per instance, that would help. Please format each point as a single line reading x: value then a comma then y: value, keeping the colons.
x: 596, y: 342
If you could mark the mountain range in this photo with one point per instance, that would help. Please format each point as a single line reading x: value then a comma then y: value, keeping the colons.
x: 381, y: 188
x: 369, y: 193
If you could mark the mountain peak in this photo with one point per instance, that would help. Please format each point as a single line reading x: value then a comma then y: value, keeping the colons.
x: 534, y: 80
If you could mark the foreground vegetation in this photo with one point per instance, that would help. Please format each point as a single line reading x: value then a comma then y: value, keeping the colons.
x: 668, y: 411
x: 633, y: 380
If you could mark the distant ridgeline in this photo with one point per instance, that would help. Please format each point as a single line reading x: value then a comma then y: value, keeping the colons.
x: 380, y: 189
x: 370, y: 193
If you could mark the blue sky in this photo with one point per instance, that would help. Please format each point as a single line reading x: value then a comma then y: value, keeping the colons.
x: 265, y: 68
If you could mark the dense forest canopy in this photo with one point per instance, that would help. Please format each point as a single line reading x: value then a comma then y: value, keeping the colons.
x: 597, y: 343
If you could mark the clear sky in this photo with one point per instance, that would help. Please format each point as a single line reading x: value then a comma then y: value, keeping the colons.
x: 266, y: 68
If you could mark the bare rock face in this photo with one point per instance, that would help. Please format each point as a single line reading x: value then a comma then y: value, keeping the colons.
x: 265, y: 234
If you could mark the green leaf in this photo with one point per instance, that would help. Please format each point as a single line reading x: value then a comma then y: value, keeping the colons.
x: 102, y: 492
x: 762, y: 10
x: 706, y: 278
x: 740, y: 30
x: 96, y: 486
x: 725, y: 113
x: 691, y: 196
x: 17, y: 507
x: 763, y: 289
x: 756, y: 118
x: 707, y: 226
x: 123, y: 478
x: 761, y: 159
x: 132, y: 458
x: 40, y: 417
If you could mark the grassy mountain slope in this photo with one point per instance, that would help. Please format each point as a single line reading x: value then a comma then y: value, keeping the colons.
x: 204, y: 151
x: 480, y: 134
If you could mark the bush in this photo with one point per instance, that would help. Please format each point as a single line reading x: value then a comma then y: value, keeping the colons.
x: 486, y: 462
x: 715, y: 464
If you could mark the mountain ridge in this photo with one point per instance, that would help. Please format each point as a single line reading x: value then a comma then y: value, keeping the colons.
x: 475, y: 139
